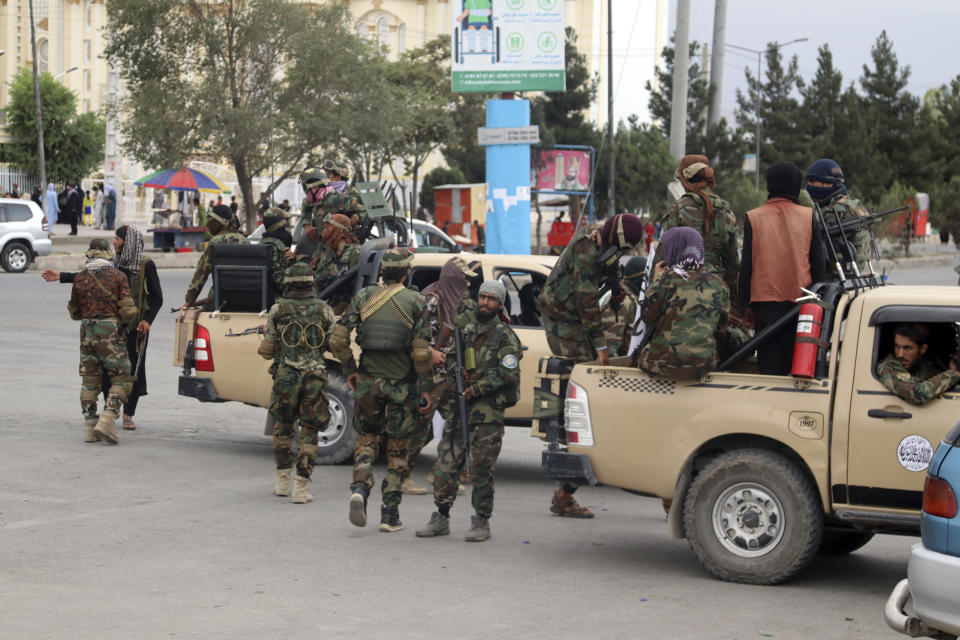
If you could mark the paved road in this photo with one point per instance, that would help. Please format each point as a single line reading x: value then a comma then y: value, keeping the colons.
x: 175, y: 533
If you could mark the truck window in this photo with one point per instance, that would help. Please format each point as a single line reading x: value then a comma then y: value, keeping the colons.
x: 421, y: 277
x: 942, y: 342
x: 523, y: 287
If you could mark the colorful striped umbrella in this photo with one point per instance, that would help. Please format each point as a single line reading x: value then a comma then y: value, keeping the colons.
x: 185, y: 179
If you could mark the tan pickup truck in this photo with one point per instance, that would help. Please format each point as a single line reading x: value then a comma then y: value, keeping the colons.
x: 760, y: 472
x: 218, y: 367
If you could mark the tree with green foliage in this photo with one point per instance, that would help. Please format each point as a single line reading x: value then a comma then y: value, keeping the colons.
x: 461, y: 149
x: 72, y: 144
x: 250, y: 81
x: 823, y: 112
x: 644, y: 166
x: 436, y: 177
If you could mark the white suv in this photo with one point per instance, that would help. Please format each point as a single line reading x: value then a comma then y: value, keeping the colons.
x: 24, y: 234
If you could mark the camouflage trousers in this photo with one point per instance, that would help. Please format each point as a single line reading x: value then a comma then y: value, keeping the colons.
x: 298, y: 395
x: 389, y: 407
x: 568, y: 340
x: 103, y: 349
x: 419, y: 438
x: 485, y: 443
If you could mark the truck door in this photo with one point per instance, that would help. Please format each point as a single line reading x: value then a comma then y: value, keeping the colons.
x: 892, y: 441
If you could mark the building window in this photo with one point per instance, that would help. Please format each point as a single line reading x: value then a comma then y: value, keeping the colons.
x: 43, y: 53
x: 86, y: 106
x: 401, y: 39
x: 86, y: 80
x: 87, y: 48
x: 383, y: 33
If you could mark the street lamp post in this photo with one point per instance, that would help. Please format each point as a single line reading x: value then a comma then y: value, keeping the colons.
x: 63, y: 73
x: 759, y: 55
x: 36, y: 98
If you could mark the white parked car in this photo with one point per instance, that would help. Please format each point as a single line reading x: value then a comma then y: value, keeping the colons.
x: 24, y: 234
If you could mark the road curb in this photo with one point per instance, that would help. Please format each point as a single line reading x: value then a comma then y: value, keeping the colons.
x: 74, y: 261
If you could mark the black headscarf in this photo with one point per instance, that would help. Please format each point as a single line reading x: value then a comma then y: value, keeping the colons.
x: 275, y: 226
x: 783, y: 181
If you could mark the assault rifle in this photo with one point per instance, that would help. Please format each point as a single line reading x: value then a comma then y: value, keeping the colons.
x: 837, y: 232
x: 249, y: 331
x: 460, y: 373
x: 141, y: 351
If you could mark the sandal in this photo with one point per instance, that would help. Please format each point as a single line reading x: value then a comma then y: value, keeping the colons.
x: 129, y: 424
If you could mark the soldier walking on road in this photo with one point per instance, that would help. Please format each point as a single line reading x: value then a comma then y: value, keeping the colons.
x: 394, y: 337
x: 298, y: 330
x: 225, y: 227
x: 494, y: 385
x: 570, y: 308
x: 101, y: 301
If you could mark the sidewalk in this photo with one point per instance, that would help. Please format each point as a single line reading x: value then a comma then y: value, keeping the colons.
x: 67, y: 252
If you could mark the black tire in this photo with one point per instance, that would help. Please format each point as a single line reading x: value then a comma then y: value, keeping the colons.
x: 16, y: 257
x: 838, y: 542
x: 336, y: 444
x: 778, y: 524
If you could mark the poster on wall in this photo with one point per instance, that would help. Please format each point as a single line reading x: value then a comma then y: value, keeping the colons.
x: 563, y: 170
x: 508, y: 45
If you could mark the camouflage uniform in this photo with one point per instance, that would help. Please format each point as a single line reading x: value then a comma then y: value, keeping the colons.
x: 330, y: 266
x: 846, y: 208
x: 278, y: 263
x: 685, y: 317
x: 569, y: 302
x: 393, y: 334
x: 298, y: 333
x: 495, y: 385
x: 205, y: 268
x: 721, y: 254
x: 618, y: 325
x: 346, y: 202
x: 101, y: 301
x: 919, y: 387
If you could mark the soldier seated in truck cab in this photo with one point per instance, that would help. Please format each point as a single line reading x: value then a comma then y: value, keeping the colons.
x: 684, y: 309
x: 910, y: 372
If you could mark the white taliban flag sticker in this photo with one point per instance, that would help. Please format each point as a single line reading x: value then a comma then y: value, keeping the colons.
x: 914, y: 453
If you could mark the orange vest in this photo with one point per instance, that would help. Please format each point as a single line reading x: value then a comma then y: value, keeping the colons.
x: 782, y: 232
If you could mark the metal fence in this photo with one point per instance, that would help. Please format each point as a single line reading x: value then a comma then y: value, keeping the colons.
x: 25, y: 182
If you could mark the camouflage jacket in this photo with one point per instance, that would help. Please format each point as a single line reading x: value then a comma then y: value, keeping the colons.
x: 684, y: 317
x: 465, y: 319
x: 278, y: 263
x: 204, y: 268
x: 845, y: 207
x: 495, y: 381
x: 330, y: 266
x: 101, y: 295
x: 618, y: 325
x: 571, y: 294
x: 917, y: 388
x: 721, y: 254
x: 384, y: 364
x: 298, y: 333
x: 348, y: 203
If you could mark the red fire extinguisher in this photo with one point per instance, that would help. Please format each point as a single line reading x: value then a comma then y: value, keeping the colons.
x: 808, y: 340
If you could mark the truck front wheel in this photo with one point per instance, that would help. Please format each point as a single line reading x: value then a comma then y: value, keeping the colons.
x: 754, y: 517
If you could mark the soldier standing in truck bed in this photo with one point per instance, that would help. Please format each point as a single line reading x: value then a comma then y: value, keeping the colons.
x: 225, y: 227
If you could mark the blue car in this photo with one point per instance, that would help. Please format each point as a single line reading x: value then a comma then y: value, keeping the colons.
x: 933, y: 572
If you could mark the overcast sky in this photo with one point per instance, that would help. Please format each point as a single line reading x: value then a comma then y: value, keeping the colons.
x: 924, y: 35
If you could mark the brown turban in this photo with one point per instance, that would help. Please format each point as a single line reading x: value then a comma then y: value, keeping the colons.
x: 696, y: 174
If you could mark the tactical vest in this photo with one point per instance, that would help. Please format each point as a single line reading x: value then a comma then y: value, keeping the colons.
x: 300, y: 331
x: 389, y: 327
x: 720, y: 207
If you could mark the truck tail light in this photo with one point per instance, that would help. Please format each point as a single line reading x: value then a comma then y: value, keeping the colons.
x: 938, y: 498
x: 202, y: 354
x: 576, y: 416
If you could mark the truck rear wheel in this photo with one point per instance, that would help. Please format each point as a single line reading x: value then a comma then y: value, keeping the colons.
x: 837, y: 542
x: 335, y: 444
x: 753, y: 516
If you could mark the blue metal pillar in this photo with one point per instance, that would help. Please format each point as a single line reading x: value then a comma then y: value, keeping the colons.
x: 508, y: 181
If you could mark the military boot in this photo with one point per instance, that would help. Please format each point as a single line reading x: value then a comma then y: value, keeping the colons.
x: 410, y: 488
x: 390, y: 519
x: 564, y: 504
x: 480, y: 530
x: 439, y: 525
x: 89, y: 435
x: 358, y: 503
x: 282, y: 487
x: 104, y: 427
x: 300, y: 495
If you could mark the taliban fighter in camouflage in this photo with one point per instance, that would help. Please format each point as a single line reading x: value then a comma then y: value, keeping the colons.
x: 337, y: 197
x: 570, y: 308
x: 910, y: 375
x: 337, y: 254
x: 395, y: 372
x: 315, y: 185
x: 827, y: 189
x: 277, y: 237
x: 297, y: 331
x: 493, y: 385
x: 101, y: 301
x: 701, y: 209
x: 225, y: 227
x: 685, y: 309
x: 618, y: 320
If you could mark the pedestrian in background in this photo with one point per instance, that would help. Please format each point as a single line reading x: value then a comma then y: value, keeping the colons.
x: 51, y: 206
x: 99, y: 206
x: 74, y: 206
x: 37, y: 197
x: 110, y: 209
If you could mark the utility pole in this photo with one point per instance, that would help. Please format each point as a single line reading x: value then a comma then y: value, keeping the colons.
x: 705, y: 114
x: 611, y: 207
x: 36, y: 99
x: 681, y: 65
x: 716, y: 62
